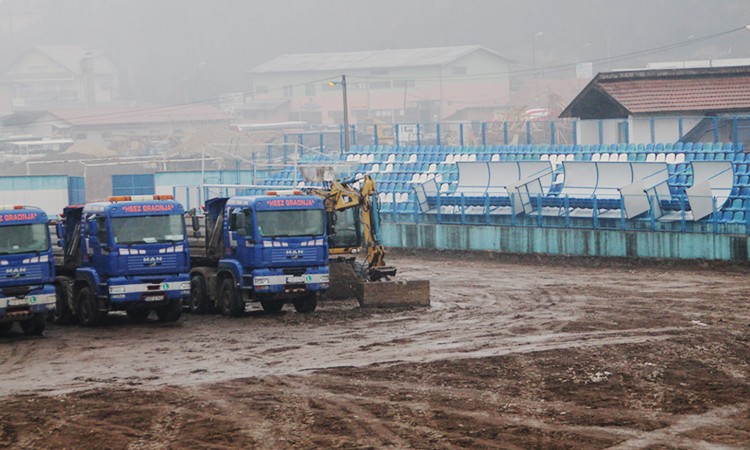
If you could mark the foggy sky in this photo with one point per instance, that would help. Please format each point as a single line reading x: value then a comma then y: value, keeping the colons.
x: 174, y: 51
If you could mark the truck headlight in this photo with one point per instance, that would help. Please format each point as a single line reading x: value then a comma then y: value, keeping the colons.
x: 324, y: 279
x: 185, y: 286
x: 117, y: 290
x: 262, y: 281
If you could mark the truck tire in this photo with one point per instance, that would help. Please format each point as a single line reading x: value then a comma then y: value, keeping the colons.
x: 88, y: 308
x: 35, y: 325
x: 138, y: 314
x: 62, y: 315
x: 230, y: 300
x: 306, y: 304
x: 5, y: 327
x: 198, y: 301
x: 271, y: 306
x: 170, y: 312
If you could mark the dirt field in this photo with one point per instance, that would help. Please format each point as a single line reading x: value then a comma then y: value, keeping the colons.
x: 512, y: 354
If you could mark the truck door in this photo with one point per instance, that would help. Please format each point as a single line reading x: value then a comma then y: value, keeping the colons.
x: 241, y: 235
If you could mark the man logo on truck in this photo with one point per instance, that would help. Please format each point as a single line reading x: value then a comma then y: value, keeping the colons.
x: 152, y: 261
x: 15, y: 272
x: 295, y: 254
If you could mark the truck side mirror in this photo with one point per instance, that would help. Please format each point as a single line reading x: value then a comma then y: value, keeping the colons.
x: 92, y: 228
x: 59, y: 230
x: 196, y: 224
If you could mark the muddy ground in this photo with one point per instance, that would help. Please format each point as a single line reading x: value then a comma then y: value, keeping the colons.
x: 528, y: 353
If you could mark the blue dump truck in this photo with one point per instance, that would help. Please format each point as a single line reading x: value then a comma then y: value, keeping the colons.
x: 128, y: 253
x: 27, y: 269
x: 269, y: 248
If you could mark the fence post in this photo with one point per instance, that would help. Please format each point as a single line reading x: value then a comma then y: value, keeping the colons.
x: 461, y: 134
x: 715, y: 216
x: 487, y: 208
x: 539, y: 210
x: 505, y: 133
x: 574, y: 138
x: 566, y: 205
x: 652, y: 212
x: 375, y: 134
x: 652, y: 123
x: 484, y: 133
x: 419, y: 135
x: 463, y: 209
x: 716, y: 128
x: 735, y: 137
x: 552, y: 132
x: 397, y: 135
x: 622, y: 212
x: 439, y: 209
x: 513, y: 210
x: 321, y: 143
x: 683, y: 225
x: 679, y: 128
x: 596, y: 214
x: 528, y: 133
x: 437, y: 134
x: 415, y: 202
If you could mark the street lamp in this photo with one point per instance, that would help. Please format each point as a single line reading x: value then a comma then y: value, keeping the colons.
x: 346, y: 110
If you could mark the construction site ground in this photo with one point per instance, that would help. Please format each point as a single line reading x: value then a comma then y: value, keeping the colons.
x: 514, y: 353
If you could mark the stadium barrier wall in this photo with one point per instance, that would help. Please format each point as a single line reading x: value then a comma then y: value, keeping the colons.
x: 567, y: 241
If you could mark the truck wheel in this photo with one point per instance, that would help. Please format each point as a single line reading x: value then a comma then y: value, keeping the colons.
x: 35, y: 325
x: 62, y: 315
x: 5, y: 327
x: 138, y: 314
x: 198, y: 302
x: 88, y: 308
x: 271, y: 305
x: 306, y: 304
x: 230, y: 301
x: 170, y: 312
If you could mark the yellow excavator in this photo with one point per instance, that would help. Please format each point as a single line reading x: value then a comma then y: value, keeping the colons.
x: 353, y: 229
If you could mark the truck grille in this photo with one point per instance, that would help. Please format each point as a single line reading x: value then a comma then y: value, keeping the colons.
x: 149, y: 263
x: 286, y: 255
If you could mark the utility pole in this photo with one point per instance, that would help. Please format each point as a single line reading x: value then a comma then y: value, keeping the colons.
x: 346, y: 111
x: 346, y: 115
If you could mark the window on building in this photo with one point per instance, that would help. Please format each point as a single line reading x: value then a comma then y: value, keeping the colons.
x: 459, y: 70
x: 380, y: 85
x: 403, y: 83
x: 310, y: 89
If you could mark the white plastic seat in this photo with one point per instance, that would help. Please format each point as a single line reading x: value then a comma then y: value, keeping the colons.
x: 388, y: 167
x: 349, y: 157
x: 449, y: 159
x: 661, y: 157
x: 444, y: 188
x: 415, y: 178
x: 544, y: 157
x: 439, y: 177
x: 412, y: 158
x: 495, y: 157
x: 679, y: 158
x: 650, y: 157
x: 472, y: 157
x: 432, y: 168
x: 570, y: 157
x: 604, y: 157
x: 375, y: 168
x: 622, y: 157
x: 670, y: 158
x: 596, y: 157
x: 391, y: 158
x: 423, y: 178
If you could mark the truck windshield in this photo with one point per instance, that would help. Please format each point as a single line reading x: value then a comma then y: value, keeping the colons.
x: 27, y: 238
x: 288, y: 223
x: 148, y: 229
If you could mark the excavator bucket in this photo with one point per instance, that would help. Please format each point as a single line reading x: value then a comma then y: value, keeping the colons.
x: 346, y: 283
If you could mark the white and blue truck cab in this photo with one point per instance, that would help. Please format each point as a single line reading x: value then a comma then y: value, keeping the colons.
x: 271, y: 249
x: 27, y: 269
x: 128, y: 253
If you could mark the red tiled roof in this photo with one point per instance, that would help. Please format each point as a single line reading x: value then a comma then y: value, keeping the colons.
x: 688, y: 94
x: 155, y: 114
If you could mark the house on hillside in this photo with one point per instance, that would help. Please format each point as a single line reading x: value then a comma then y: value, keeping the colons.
x: 664, y: 105
x: 407, y: 85
x: 125, y: 130
x: 58, y: 76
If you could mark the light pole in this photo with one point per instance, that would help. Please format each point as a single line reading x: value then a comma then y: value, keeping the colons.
x: 346, y: 110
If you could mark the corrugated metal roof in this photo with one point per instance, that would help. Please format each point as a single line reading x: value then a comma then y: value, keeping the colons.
x: 695, y: 94
x: 122, y: 116
x: 368, y: 59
